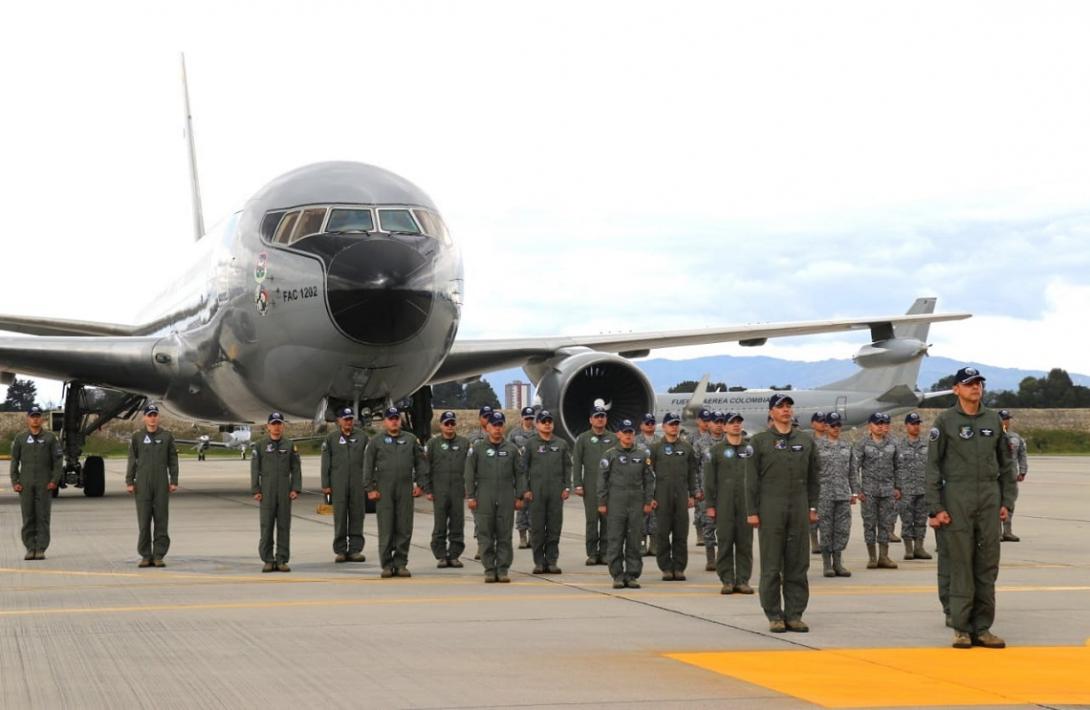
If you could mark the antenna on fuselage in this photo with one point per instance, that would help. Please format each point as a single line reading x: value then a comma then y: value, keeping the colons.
x: 194, y: 184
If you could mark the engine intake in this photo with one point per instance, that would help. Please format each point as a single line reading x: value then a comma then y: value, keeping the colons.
x: 572, y: 384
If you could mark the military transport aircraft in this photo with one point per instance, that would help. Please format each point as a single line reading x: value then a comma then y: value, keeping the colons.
x: 885, y: 382
x: 336, y: 284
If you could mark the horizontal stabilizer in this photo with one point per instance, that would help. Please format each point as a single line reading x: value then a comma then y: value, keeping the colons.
x: 901, y: 395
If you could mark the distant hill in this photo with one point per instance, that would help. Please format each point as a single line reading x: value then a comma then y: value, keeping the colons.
x: 760, y: 372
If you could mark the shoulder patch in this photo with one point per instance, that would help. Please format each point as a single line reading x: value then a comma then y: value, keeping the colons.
x: 603, y: 464
x: 934, y: 435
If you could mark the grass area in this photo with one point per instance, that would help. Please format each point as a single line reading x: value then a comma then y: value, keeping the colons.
x: 1056, y: 441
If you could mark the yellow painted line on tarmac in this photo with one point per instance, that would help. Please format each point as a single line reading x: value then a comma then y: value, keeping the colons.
x: 902, y: 677
x: 302, y: 603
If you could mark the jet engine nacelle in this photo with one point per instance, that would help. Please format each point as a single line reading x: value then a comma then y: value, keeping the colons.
x: 572, y: 384
x: 885, y: 353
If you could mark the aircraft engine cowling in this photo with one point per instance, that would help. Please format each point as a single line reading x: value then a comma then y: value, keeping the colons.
x: 884, y: 353
x: 571, y: 386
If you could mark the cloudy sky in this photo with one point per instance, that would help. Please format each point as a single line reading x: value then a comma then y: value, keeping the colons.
x: 604, y: 166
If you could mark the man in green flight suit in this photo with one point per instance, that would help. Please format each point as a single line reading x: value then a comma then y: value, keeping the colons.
x: 495, y: 489
x: 394, y: 469
x: 342, y: 479
x: 547, y: 462
x: 36, y: 468
x: 151, y: 477
x: 971, y: 488
x: 728, y: 465
x: 674, y: 461
x: 275, y: 480
x: 445, y: 487
x: 781, y: 499
x: 626, y: 487
x: 586, y: 456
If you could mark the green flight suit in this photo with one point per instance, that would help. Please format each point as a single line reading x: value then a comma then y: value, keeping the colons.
x: 342, y: 471
x: 274, y: 473
x: 676, y: 467
x: 393, y: 466
x: 586, y: 457
x: 495, y: 478
x: 726, y: 470
x: 446, y: 482
x: 36, y: 461
x: 970, y: 474
x: 626, y: 483
x: 782, y: 491
x: 548, y: 471
x: 153, y: 468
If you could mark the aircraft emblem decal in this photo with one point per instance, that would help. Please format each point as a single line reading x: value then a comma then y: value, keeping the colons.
x: 261, y: 298
x: 262, y: 268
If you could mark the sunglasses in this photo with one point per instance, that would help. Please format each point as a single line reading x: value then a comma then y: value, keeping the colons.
x: 448, y: 423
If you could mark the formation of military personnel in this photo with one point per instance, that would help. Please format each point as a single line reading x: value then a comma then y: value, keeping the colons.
x: 795, y: 489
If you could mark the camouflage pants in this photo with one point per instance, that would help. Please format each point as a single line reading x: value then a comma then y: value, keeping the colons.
x: 649, y: 526
x: 879, y: 516
x: 913, y: 510
x: 835, y: 524
x: 522, y: 517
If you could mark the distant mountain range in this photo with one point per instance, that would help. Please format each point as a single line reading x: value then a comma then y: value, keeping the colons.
x: 761, y: 372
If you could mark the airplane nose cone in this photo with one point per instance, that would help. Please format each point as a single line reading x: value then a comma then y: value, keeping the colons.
x: 380, y: 291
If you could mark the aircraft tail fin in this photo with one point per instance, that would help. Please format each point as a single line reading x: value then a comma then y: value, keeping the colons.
x: 194, y: 183
x: 895, y: 381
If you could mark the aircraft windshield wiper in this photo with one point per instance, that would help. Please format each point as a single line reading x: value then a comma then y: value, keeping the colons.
x: 349, y: 231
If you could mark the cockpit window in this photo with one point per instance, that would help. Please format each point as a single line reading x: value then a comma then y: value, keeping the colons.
x: 398, y: 221
x: 283, y: 232
x: 350, y: 220
x: 309, y: 223
x: 432, y: 225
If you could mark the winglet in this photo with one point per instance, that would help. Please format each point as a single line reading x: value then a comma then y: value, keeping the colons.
x: 194, y: 184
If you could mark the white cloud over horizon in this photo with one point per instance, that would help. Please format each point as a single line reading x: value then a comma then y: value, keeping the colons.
x: 644, y: 167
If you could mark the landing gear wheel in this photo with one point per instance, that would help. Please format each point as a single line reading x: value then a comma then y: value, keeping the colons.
x: 94, y: 477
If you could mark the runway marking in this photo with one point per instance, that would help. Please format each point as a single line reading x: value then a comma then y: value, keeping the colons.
x: 299, y: 603
x: 688, y: 589
x: 899, y: 677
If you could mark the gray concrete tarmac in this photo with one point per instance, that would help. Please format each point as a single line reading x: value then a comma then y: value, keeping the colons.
x: 86, y: 628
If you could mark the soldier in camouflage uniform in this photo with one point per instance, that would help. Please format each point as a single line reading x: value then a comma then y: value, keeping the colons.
x: 483, y: 415
x: 547, y: 461
x: 817, y: 430
x: 699, y: 439
x: 971, y: 488
x: 626, y: 487
x: 36, y: 468
x: 519, y: 436
x: 586, y: 457
x: 647, y: 438
x: 715, y: 436
x: 674, y: 462
x: 726, y: 467
x: 912, y: 469
x: 445, y: 486
x: 1018, y: 453
x: 876, y: 458
x: 839, y: 490
x: 394, y: 469
x: 495, y: 489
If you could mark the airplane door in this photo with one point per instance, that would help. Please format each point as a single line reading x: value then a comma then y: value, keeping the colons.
x: 842, y: 406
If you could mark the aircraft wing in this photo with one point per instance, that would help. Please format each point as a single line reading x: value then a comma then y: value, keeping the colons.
x: 130, y: 363
x: 469, y: 358
x: 57, y: 326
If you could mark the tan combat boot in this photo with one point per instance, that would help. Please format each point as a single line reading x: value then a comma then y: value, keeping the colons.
x: 827, y: 564
x: 710, y: 566
x: 815, y: 548
x: 840, y: 569
x: 909, y: 555
x: 884, y: 562
x: 920, y: 553
x: 872, y: 556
